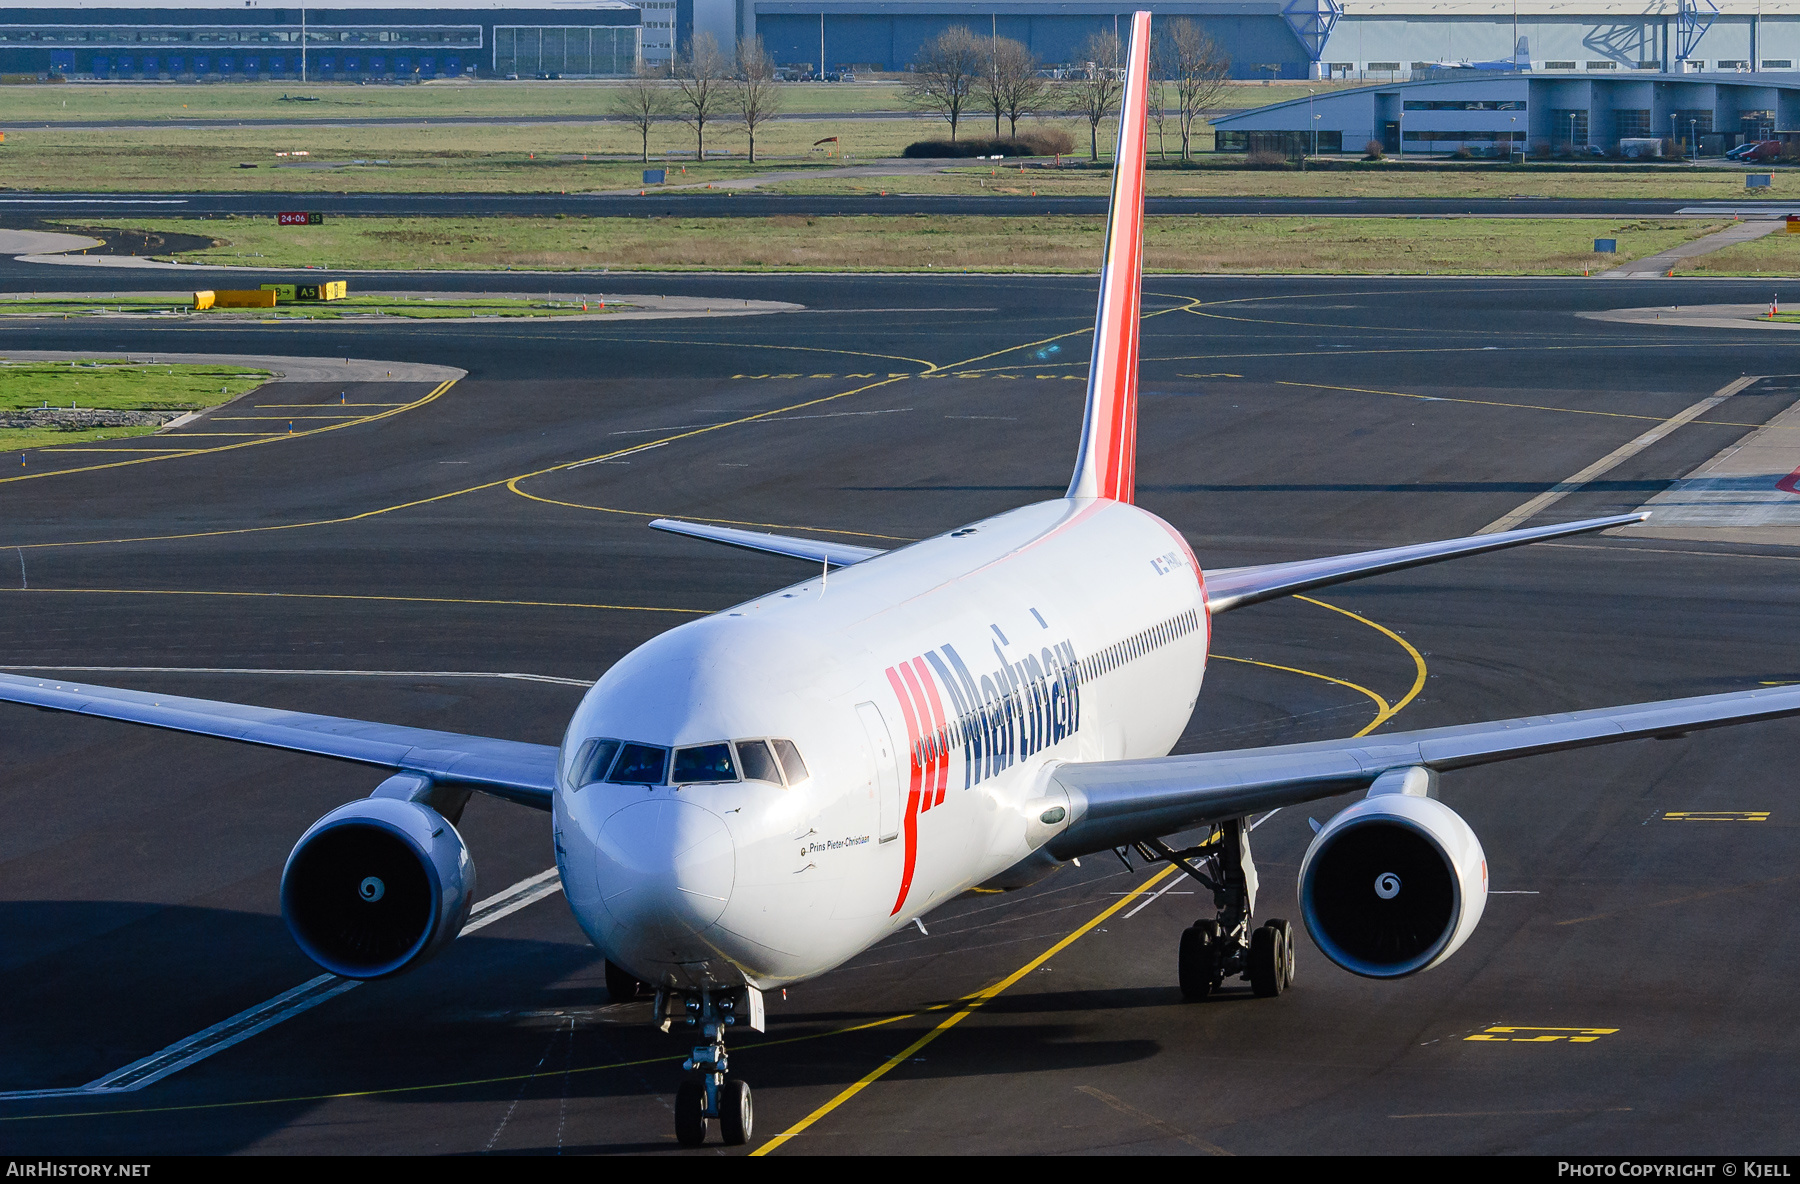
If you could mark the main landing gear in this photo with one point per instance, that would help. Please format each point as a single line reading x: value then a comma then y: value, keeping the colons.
x: 710, y: 1091
x: 1214, y: 949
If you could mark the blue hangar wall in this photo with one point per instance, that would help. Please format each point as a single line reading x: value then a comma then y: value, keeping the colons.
x: 887, y: 36
x: 346, y: 44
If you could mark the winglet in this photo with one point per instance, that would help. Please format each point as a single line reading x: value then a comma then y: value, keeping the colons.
x: 1107, y: 466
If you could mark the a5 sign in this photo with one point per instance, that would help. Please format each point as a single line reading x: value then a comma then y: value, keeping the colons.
x: 299, y: 218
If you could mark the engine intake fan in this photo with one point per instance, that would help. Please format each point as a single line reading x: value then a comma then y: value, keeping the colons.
x: 377, y: 887
x: 1393, y: 885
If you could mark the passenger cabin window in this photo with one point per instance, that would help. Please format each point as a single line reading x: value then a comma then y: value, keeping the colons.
x: 704, y: 762
x: 757, y: 762
x: 640, y: 764
x: 589, y: 763
x: 790, y: 761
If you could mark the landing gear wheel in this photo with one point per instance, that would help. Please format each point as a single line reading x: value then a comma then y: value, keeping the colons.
x: 1197, y: 961
x: 1266, y: 962
x: 621, y: 985
x: 1286, y: 941
x: 736, y: 1115
x: 690, y: 1113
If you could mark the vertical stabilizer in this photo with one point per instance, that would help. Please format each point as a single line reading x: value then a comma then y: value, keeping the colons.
x: 1107, y: 466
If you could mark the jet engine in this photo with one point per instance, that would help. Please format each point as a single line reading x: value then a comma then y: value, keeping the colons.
x: 377, y: 887
x: 1393, y: 885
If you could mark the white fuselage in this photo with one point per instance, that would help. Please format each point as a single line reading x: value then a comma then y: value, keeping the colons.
x: 928, y: 691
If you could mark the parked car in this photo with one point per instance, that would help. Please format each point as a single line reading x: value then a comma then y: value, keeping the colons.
x: 1755, y: 150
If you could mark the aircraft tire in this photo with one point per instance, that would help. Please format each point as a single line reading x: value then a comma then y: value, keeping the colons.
x: 1286, y: 941
x: 690, y: 1113
x: 737, y: 1116
x: 1265, y: 962
x: 1196, y: 960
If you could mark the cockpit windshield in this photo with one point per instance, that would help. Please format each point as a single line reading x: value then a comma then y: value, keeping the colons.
x: 640, y: 764
x: 705, y: 762
x: 622, y: 762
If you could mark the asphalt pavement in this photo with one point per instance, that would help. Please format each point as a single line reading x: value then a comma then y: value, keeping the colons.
x: 399, y: 560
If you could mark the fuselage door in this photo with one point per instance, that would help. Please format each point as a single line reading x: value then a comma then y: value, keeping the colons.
x: 886, y: 774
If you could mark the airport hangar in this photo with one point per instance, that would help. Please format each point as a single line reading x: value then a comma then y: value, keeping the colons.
x: 235, y: 40
x: 1495, y: 113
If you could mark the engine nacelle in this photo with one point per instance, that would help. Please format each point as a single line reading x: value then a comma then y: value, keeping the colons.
x: 377, y: 887
x: 1393, y: 885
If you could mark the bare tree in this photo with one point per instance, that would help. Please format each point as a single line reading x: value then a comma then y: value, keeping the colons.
x: 643, y: 102
x: 1010, y: 84
x: 757, y: 93
x: 945, y: 74
x: 1198, y: 70
x: 1157, y: 92
x: 1096, y: 90
x: 700, y: 74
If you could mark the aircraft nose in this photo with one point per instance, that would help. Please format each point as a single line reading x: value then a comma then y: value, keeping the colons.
x: 666, y: 869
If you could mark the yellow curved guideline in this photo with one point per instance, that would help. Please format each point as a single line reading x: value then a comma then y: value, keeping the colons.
x: 269, y: 439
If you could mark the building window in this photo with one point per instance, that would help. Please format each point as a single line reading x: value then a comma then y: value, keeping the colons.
x: 1603, y: 65
x: 1733, y: 64
x: 1778, y: 64
x: 1648, y: 66
x: 1388, y: 67
x: 1568, y: 126
x: 1559, y: 65
x: 1631, y: 125
x: 1465, y: 105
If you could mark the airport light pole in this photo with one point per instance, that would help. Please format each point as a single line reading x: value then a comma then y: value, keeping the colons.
x: 1694, y: 140
x: 303, y: 43
x: 1311, y: 118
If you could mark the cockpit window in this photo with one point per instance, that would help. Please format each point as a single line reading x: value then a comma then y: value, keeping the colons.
x: 705, y: 762
x: 790, y: 761
x: 640, y: 764
x: 588, y: 765
x: 757, y: 761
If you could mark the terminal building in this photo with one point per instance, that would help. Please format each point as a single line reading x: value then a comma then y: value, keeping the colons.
x: 402, y: 40
x: 1497, y: 114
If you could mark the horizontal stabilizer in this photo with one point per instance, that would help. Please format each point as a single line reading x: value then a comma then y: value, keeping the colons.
x: 1234, y: 587
x: 510, y: 769
x: 1121, y: 802
x: 836, y: 554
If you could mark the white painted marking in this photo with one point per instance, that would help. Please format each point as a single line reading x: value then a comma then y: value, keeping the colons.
x: 1615, y: 458
x: 1155, y: 896
x: 285, y: 1006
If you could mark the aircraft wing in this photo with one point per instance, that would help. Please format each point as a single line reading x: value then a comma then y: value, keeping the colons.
x: 509, y: 769
x: 836, y: 554
x: 1234, y: 587
x: 1119, y: 802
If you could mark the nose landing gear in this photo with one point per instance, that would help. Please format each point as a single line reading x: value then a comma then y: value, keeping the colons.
x: 711, y: 1091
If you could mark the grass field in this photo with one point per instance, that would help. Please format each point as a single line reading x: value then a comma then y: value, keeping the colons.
x: 112, y: 385
x: 174, y: 102
x: 1472, y: 246
x: 421, y: 308
x: 1227, y: 177
x: 1773, y: 255
x: 440, y: 158
x: 588, y: 157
